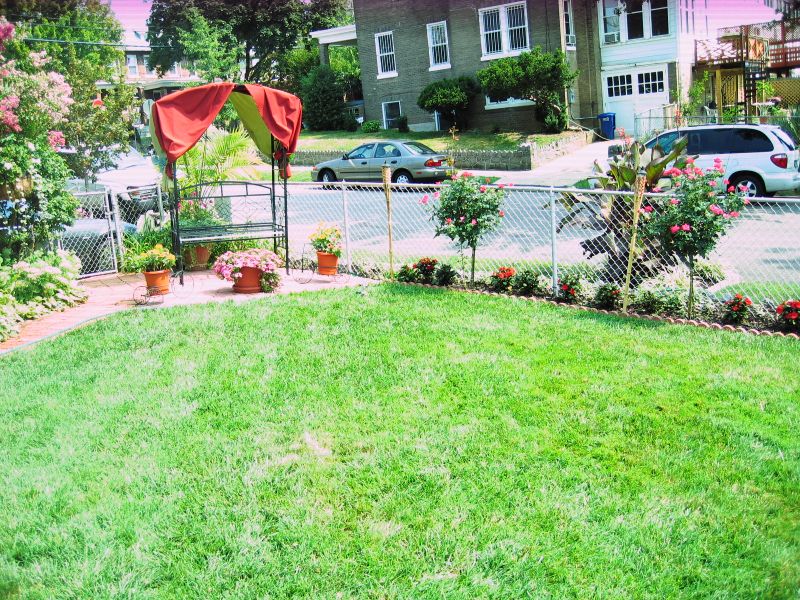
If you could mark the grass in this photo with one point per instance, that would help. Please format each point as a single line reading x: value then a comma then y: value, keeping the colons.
x: 759, y: 291
x: 398, y: 443
x: 438, y: 140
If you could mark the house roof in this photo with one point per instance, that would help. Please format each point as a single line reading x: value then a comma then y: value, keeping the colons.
x: 335, y: 35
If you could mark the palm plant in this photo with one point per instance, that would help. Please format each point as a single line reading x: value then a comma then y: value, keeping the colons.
x: 221, y: 155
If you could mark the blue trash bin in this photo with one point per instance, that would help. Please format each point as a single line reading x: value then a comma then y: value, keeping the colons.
x: 608, y: 124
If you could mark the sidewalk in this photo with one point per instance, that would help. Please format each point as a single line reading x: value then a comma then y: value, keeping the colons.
x: 109, y: 294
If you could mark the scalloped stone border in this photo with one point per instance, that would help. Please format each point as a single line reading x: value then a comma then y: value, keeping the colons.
x: 618, y: 313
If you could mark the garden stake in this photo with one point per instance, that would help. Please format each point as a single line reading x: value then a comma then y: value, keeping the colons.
x: 553, y: 240
x: 637, y: 204
x: 387, y: 189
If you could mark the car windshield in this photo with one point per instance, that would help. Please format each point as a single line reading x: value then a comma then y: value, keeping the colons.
x: 417, y: 148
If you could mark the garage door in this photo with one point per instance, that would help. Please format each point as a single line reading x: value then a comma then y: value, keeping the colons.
x: 628, y: 93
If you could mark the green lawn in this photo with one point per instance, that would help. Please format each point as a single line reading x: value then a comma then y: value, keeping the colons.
x: 438, y: 140
x: 399, y: 443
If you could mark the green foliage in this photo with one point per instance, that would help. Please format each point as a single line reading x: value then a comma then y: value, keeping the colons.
x: 657, y: 298
x: 211, y: 46
x: 407, y: 274
x: 697, y: 96
x: 140, y: 242
x: 466, y: 210
x: 157, y: 258
x: 737, y: 309
x: 327, y: 239
x: 539, y: 76
x: 608, y: 296
x: 788, y: 313
x: 266, y: 31
x: 709, y: 273
x: 570, y: 287
x: 323, y: 100
x: 402, y: 124
x: 270, y: 281
x: 529, y: 282
x: 502, y: 280
x: 219, y: 156
x: 371, y: 126
x: 450, y: 97
x: 445, y: 275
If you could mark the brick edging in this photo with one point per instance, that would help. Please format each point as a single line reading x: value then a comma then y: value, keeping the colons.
x: 618, y: 313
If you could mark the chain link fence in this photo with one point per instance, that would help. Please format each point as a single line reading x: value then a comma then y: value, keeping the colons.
x: 95, y: 235
x: 550, y: 230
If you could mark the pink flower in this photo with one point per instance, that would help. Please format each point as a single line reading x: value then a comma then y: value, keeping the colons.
x: 436, y: 195
x: 97, y: 103
x: 690, y: 161
x: 742, y: 188
x: 461, y: 219
x: 726, y: 182
x: 483, y: 188
x: 731, y: 189
x: 746, y: 201
x: 501, y: 214
x: 466, y: 174
x: 734, y: 213
x: 686, y: 227
x: 675, y: 228
x: 424, y: 199
x: 474, y: 222
x: 657, y: 190
x: 648, y: 209
x: 448, y: 221
x: 674, y: 201
x: 501, y: 185
x: 712, y: 183
x: 716, y: 209
x: 510, y: 184
x: 454, y: 177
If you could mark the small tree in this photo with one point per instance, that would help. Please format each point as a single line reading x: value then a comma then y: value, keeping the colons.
x: 211, y: 46
x: 449, y: 97
x: 690, y: 222
x: 539, y: 76
x: 466, y: 210
x: 323, y: 99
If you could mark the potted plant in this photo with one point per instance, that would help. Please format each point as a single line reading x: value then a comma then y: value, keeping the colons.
x: 197, y: 212
x: 327, y: 241
x: 156, y: 264
x: 251, y: 271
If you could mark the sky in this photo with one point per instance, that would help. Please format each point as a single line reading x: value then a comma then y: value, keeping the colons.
x: 132, y: 13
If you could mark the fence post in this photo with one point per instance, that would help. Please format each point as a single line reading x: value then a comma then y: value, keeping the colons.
x: 553, y: 240
x: 160, y: 205
x: 117, y: 221
x: 346, y: 216
x: 387, y: 190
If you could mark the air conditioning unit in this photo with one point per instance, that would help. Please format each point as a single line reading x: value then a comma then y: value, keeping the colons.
x: 612, y: 38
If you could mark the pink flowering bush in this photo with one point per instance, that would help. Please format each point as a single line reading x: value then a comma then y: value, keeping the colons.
x: 466, y: 210
x: 195, y: 211
x: 229, y: 265
x: 690, y: 221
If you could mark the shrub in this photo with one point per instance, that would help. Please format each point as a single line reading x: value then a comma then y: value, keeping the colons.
x: 789, y: 315
x: 445, y: 275
x: 371, y: 126
x: 530, y: 283
x: 501, y: 280
x: 425, y: 268
x: 465, y: 211
x: 737, y: 309
x: 570, y: 287
x: 323, y: 99
x: 659, y: 299
x: 407, y: 274
x: 9, y: 316
x: 450, y: 98
x: 270, y: 281
x: 43, y: 283
x: 402, y: 124
x: 607, y: 297
x: 709, y: 273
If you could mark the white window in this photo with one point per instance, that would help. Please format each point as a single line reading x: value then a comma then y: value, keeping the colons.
x: 133, y: 67
x: 659, y: 17
x: 384, y: 49
x: 635, y: 19
x: 651, y: 83
x: 610, y: 22
x: 569, y: 30
x: 391, y: 111
x: 507, y: 103
x: 438, y: 51
x: 504, y: 30
x: 619, y: 85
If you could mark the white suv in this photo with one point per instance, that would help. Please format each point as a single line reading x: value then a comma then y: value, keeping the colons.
x: 763, y: 158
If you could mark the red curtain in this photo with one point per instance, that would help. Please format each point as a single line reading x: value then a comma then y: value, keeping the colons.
x: 180, y: 119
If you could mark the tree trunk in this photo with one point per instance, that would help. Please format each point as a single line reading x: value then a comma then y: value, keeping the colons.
x: 472, y: 268
x: 691, y: 287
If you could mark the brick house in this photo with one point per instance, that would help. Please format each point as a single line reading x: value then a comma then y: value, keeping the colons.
x: 404, y: 45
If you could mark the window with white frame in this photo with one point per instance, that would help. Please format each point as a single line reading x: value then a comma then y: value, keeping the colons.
x: 634, y: 18
x: 504, y: 30
x: 659, y: 17
x: 438, y: 51
x: 611, y: 33
x: 132, y: 65
x: 569, y: 31
x: 391, y: 112
x: 651, y: 83
x: 384, y: 48
x: 619, y: 85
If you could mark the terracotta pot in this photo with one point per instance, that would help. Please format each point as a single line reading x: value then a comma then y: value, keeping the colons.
x: 157, y: 282
x: 196, y: 258
x: 327, y: 264
x: 249, y: 282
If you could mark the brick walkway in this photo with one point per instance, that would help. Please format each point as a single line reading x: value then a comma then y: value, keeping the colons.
x: 112, y: 293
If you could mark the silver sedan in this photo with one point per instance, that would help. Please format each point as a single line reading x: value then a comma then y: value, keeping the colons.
x: 410, y: 162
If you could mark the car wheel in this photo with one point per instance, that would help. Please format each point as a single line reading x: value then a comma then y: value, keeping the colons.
x: 753, y: 184
x: 327, y: 176
x: 402, y: 177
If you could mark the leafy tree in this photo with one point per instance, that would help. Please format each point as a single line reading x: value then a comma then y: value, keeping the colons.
x: 539, y: 76
x: 266, y: 30
x: 323, y: 100
x: 450, y: 98
x: 97, y: 132
x: 212, y: 47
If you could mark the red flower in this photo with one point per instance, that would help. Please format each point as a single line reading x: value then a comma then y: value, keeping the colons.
x: 793, y: 315
x: 564, y: 287
x: 748, y: 301
x: 780, y: 309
